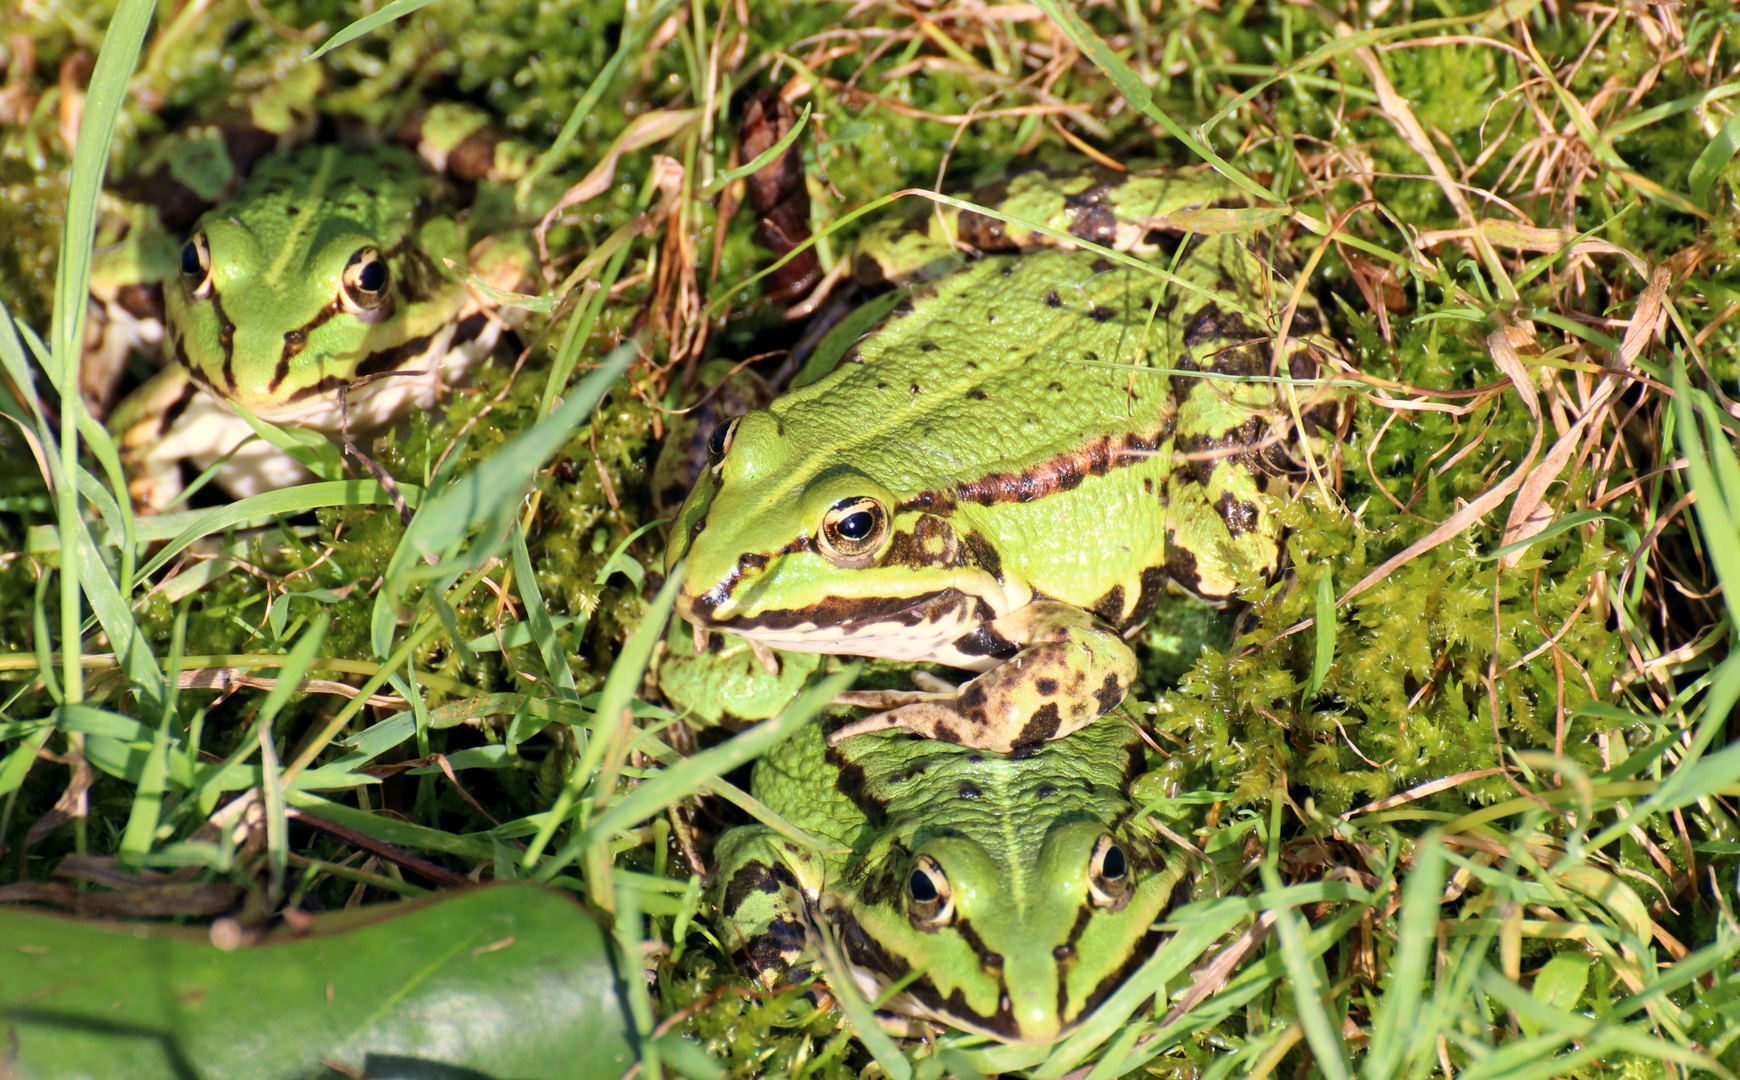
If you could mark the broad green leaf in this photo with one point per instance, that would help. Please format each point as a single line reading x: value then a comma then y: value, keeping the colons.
x: 506, y: 981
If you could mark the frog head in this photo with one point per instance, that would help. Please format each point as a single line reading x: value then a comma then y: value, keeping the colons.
x: 792, y: 539
x: 312, y: 278
x: 1019, y: 946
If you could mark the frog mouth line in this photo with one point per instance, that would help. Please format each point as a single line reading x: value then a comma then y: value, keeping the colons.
x: 919, y: 626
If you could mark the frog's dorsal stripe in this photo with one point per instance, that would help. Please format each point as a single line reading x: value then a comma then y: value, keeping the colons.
x: 315, y: 193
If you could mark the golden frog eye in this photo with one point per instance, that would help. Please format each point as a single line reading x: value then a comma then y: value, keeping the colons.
x: 196, y: 265
x: 365, y: 279
x: 853, y: 529
x: 1108, y: 875
x: 719, y: 443
x: 930, y: 900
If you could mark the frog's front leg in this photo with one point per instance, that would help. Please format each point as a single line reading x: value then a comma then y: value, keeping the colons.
x: 170, y: 419
x: 761, y: 897
x: 1069, y: 669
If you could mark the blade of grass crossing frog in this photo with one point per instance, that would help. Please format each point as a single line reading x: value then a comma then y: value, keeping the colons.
x: 1192, y: 936
x: 116, y: 60
x: 312, y: 450
x: 486, y: 496
x: 1395, y: 1029
x: 612, y: 720
x: 538, y: 622
x: 895, y: 1065
x: 398, y: 9
x: 687, y: 776
x: 1308, y: 985
x: 1325, y: 632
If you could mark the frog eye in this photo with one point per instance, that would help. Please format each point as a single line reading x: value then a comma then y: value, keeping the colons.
x: 365, y: 279
x: 1108, y: 875
x: 930, y: 900
x: 852, y: 530
x: 196, y: 265
x: 719, y: 443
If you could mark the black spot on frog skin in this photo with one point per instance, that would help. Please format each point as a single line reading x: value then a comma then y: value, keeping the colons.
x: 984, y: 641
x: 1046, y: 686
x: 1096, y: 223
x: 1110, y: 692
x: 1110, y: 607
x: 1101, y: 313
x: 1153, y: 588
x: 1052, y: 300
x: 1042, y: 725
x: 1211, y: 323
x: 1181, y: 565
x: 928, y: 346
x: 977, y: 394
x: 767, y: 952
x: 969, y: 790
x: 1055, y: 386
x: 973, y: 696
x: 851, y: 781
x: 292, y: 211
x: 915, y: 388
x: 1240, y: 516
x: 750, y: 560
x: 1090, y: 357
x: 1305, y: 322
x: 1046, y: 791
x: 753, y: 877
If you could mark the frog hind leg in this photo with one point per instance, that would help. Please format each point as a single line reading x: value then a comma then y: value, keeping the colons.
x: 1070, y: 668
x: 761, y: 898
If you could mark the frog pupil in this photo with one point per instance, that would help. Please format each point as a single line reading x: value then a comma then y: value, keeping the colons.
x: 1112, y: 866
x: 372, y: 278
x: 716, y: 441
x: 857, y: 526
x: 190, y: 260
x: 923, y: 889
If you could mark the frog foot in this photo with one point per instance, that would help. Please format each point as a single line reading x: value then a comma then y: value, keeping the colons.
x: 928, y: 688
x: 1068, y: 668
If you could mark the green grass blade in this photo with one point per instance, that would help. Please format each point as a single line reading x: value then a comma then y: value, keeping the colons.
x: 102, y: 106
x: 398, y: 9
x: 1325, y: 627
x: 487, y: 496
x: 689, y: 775
x: 1395, y: 1029
x: 1713, y: 160
x: 537, y: 621
x: 1323, y: 1034
x: 619, y: 688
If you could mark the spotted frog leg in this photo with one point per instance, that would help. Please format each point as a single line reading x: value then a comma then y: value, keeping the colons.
x: 1064, y: 668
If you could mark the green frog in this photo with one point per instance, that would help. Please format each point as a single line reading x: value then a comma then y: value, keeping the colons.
x: 1009, y: 467
x: 326, y: 293
x: 1008, y: 895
